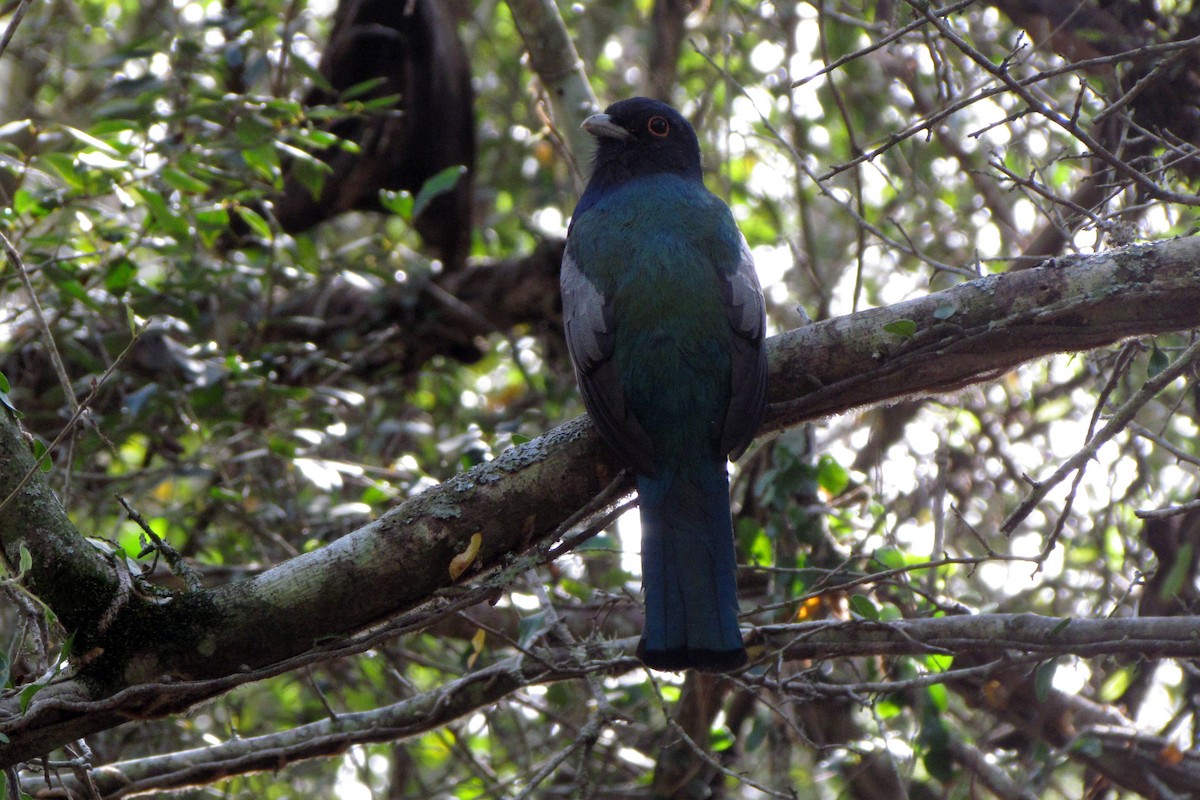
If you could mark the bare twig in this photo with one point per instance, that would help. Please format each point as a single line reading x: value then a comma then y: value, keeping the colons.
x: 80, y: 410
x: 1168, y: 511
x: 11, y: 30
x: 175, y: 561
x: 1119, y: 422
x: 18, y: 265
x: 1043, y: 109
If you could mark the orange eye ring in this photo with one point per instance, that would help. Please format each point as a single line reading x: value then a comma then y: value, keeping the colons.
x: 658, y: 126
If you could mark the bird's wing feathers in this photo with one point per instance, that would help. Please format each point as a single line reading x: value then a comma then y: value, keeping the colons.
x: 747, y: 317
x: 587, y: 318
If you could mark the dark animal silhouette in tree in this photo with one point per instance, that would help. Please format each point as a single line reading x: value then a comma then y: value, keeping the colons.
x: 414, y: 48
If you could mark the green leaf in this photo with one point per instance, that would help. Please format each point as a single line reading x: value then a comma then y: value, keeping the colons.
x: 321, y: 140
x: 62, y: 165
x: 211, y: 223
x: 935, y: 739
x: 119, y: 275
x: 281, y: 446
x: 256, y: 221
x: 223, y: 495
x: 890, y: 557
x: 832, y: 476
x: 901, y: 327
x: 1179, y: 571
x: 4, y: 384
x: 165, y: 220
x: 178, y: 179
x: 944, y: 312
x: 18, y: 126
x: 73, y: 288
x: 311, y: 173
x: 530, y: 627
x: 263, y: 160
x: 213, y: 217
x: 719, y: 739
x: 581, y: 590
x: 314, y: 77
x: 25, y: 560
x: 439, y: 184
x: 888, y: 708
x: 386, y: 102
x: 91, y: 141
x: 864, y: 607
x: 25, y: 202
x: 938, y: 696
x: 1043, y: 679
x: 27, y: 694
x: 1158, y: 362
x: 42, y: 454
x: 890, y: 612
x: 9, y: 405
x: 67, y: 648
x: 254, y: 132
x: 1115, y: 685
x: 360, y: 89
x: 399, y: 203
x: 939, y: 662
x: 758, y: 733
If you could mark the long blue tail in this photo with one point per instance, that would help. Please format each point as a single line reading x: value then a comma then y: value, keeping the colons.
x: 689, y: 572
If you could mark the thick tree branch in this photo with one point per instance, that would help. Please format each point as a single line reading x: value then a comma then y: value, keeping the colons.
x: 967, y: 334
x: 988, y: 635
x: 978, y: 330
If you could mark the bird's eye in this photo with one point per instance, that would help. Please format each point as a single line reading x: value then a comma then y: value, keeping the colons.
x: 658, y: 126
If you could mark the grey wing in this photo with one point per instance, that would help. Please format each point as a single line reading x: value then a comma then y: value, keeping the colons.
x: 747, y: 318
x: 588, y: 322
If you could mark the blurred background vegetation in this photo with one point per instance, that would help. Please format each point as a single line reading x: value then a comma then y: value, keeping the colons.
x: 265, y: 377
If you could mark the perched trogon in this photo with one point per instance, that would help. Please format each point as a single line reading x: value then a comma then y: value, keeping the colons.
x: 664, y: 322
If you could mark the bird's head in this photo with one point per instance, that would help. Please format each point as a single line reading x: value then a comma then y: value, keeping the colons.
x: 640, y: 136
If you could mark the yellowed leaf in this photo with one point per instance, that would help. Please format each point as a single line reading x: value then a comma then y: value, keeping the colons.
x: 477, y: 642
x: 808, y: 609
x: 1170, y: 755
x: 459, y: 564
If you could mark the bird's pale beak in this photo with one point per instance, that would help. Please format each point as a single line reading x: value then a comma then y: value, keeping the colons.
x: 602, y: 125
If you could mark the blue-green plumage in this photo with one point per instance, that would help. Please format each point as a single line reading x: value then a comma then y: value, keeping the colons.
x: 664, y: 320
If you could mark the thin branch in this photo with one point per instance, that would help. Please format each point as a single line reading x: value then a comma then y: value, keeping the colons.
x: 881, y: 43
x: 76, y: 416
x: 1043, y: 109
x: 1119, y: 422
x: 18, y: 265
x: 1168, y: 511
x: 983, y: 94
x: 560, y: 70
x: 410, y: 717
x: 13, y: 23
